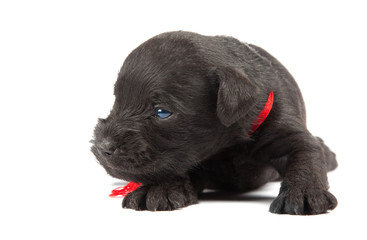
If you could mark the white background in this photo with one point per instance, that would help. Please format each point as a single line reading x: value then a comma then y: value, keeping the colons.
x: 59, y: 61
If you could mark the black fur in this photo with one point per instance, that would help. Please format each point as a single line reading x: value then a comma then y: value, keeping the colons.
x: 215, y: 87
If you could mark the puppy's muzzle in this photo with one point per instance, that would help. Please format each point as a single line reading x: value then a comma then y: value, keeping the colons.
x: 105, y: 148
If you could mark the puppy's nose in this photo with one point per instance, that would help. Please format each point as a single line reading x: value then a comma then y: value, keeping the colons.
x: 106, y: 148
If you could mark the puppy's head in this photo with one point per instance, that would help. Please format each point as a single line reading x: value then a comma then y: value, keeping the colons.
x: 173, y: 108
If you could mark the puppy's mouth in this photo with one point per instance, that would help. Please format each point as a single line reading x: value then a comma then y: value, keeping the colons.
x: 116, y: 160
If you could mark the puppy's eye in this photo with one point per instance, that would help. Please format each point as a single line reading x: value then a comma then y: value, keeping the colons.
x: 161, y: 113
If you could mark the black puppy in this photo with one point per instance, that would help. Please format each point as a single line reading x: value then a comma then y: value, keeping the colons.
x: 183, y: 121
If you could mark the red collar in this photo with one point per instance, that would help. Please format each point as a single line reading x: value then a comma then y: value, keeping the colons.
x: 263, y: 114
x: 131, y: 186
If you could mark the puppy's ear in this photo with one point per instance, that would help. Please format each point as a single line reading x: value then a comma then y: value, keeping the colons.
x: 237, y: 94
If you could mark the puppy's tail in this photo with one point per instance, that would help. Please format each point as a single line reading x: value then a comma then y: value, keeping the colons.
x: 331, y: 162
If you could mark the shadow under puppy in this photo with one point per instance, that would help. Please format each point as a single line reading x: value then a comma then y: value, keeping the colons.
x: 184, y: 108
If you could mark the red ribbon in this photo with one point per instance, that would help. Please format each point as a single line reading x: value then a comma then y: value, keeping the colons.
x: 123, y: 191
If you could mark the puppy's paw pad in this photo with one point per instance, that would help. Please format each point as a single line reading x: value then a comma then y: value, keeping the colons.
x: 159, y: 198
x: 317, y: 202
x: 136, y: 200
x: 307, y: 202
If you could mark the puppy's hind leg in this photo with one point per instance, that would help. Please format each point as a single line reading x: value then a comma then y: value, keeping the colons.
x: 330, y: 156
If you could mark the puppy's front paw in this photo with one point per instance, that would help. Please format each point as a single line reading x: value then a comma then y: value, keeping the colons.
x: 160, y: 198
x: 302, y: 201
